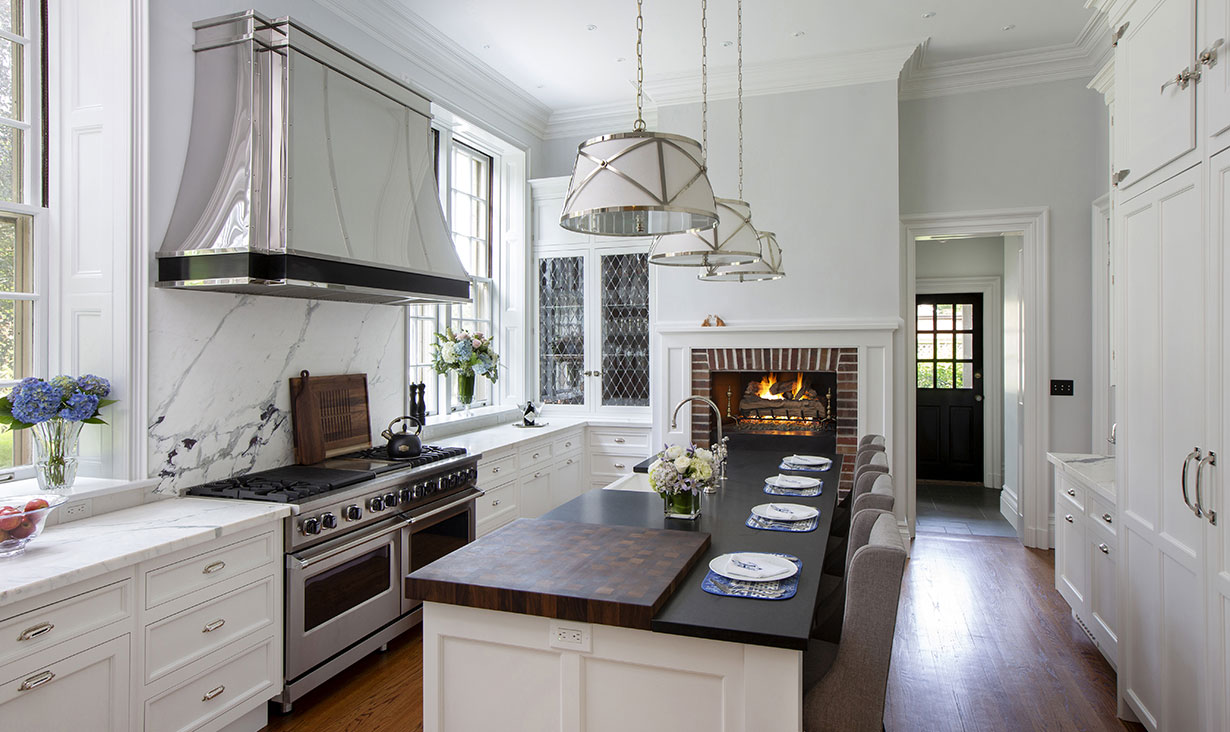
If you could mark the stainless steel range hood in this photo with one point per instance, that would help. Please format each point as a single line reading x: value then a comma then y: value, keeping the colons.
x: 309, y: 174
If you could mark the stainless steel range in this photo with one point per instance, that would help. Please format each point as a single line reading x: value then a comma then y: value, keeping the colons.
x: 362, y: 522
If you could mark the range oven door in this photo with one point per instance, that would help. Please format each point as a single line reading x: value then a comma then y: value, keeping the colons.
x: 339, y: 592
x: 436, y: 530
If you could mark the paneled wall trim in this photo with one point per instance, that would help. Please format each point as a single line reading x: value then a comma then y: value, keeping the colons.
x: 842, y: 361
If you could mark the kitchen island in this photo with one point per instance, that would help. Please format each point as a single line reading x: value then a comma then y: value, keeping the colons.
x: 534, y: 651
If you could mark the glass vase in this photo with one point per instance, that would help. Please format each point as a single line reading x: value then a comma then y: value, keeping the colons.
x: 465, y: 390
x: 55, y: 453
x: 682, y: 505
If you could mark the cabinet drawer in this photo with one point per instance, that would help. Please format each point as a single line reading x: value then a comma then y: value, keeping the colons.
x: 534, y: 458
x: 568, y: 443
x: 636, y: 442
x: 493, y: 472
x: 612, y: 465
x: 179, y: 640
x: 1072, y: 491
x: 67, y: 619
x: 1065, y: 507
x: 208, y: 569
x: 84, y: 692
x: 496, y: 501
x: 1101, y: 513
x: 214, y: 692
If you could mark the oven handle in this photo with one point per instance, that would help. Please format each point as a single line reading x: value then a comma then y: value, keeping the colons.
x: 459, y: 502
x: 359, y: 541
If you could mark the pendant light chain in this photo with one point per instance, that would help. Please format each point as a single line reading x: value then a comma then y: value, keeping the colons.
x: 740, y: 100
x: 704, y: 83
x: 640, y: 69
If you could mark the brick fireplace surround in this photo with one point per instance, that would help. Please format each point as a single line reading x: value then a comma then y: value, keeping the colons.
x: 843, y: 361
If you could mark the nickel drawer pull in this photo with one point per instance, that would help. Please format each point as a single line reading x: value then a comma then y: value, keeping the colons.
x: 569, y: 462
x: 620, y: 466
x: 620, y: 440
x: 1108, y: 518
x: 495, y: 503
x: 1071, y: 492
x: 1105, y: 549
x: 213, y: 692
x: 1197, y: 455
x: 568, y: 444
x: 211, y: 627
x: 495, y: 470
x: 1068, y: 518
x: 1210, y: 514
x: 217, y: 566
x: 37, y: 680
x: 534, y: 456
x: 35, y: 631
x: 537, y: 475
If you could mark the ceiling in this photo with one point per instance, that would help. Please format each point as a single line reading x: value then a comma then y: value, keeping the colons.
x: 546, y: 47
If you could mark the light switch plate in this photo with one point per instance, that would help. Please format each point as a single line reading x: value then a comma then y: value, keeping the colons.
x: 1061, y: 387
x: 571, y: 636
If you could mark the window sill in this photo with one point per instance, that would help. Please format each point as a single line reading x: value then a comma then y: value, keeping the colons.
x: 440, y: 426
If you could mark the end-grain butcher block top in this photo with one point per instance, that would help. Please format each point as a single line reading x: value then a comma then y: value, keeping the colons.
x: 614, y: 575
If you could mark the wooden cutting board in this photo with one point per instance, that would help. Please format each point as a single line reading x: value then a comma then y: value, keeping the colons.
x: 614, y: 575
x: 329, y: 415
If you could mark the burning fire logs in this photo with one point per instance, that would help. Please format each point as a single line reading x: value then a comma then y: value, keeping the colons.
x: 785, y: 399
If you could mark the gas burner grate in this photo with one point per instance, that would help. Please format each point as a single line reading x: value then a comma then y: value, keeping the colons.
x: 430, y: 454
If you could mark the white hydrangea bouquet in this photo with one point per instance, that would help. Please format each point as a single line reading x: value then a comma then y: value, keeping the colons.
x: 680, y: 475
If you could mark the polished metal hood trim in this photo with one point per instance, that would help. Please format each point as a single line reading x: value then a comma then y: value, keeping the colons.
x: 309, y: 174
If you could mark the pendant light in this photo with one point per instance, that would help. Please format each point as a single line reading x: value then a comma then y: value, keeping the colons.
x: 768, y: 268
x: 767, y: 265
x: 733, y: 240
x: 639, y: 183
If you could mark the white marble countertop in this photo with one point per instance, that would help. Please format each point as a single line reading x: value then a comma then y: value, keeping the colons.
x: 506, y: 435
x: 1097, y: 471
x: 80, y: 550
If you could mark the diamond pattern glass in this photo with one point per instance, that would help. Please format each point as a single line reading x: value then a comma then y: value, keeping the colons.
x: 561, y: 330
x: 625, y: 330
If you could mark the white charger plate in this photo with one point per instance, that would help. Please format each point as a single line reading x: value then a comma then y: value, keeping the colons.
x: 785, y: 567
x: 801, y: 513
x: 809, y: 460
x: 792, y: 481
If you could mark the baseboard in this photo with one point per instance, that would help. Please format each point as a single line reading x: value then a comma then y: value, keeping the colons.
x: 1009, y: 508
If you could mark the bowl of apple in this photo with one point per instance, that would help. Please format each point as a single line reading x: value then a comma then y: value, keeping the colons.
x: 22, y: 519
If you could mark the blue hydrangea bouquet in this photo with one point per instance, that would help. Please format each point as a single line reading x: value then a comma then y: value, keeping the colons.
x: 679, y: 475
x: 54, y: 410
x: 468, y: 354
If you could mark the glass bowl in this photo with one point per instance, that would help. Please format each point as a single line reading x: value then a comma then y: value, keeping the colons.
x: 22, y: 520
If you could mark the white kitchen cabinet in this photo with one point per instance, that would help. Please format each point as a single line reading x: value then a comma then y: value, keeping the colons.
x: 536, y: 493
x: 1214, y: 29
x: 88, y: 690
x: 1102, y: 606
x: 1166, y: 411
x: 614, y: 451
x: 1071, y: 564
x: 1156, y: 126
x: 567, y: 480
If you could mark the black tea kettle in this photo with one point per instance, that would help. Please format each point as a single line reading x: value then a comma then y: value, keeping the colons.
x: 404, y: 444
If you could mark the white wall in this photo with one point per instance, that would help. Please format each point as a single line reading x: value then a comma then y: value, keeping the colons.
x: 977, y: 257
x: 218, y: 367
x: 1038, y: 145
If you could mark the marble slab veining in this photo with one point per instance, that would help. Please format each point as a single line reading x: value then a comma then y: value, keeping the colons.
x: 1096, y: 470
x: 219, y: 365
x: 74, y: 552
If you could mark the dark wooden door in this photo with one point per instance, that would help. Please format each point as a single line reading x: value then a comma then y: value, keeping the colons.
x: 950, y: 387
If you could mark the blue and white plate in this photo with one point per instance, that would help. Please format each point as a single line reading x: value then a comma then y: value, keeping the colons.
x: 783, y: 589
x: 755, y: 522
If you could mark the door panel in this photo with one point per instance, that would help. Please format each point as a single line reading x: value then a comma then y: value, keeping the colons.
x: 950, y: 385
x: 1216, y: 491
x: 561, y: 329
x: 1215, y: 83
x: 1164, y: 406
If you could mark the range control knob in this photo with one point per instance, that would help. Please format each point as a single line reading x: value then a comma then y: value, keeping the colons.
x: 390, y: 500
x: 328, y: 521
x: 406, y: 494
x: 353, y: 513
x: 473, y: 473
x: 376, y: 503
x: 310, y: 526
x: 429, y: 487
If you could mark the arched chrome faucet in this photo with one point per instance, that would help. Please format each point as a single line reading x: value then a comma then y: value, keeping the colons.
x: 719, y: 452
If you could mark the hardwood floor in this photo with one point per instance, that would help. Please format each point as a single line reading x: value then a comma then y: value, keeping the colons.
x: 381, y: 693
x: 984, y: 642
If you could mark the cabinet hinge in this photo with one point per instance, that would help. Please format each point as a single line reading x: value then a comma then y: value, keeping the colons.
x: 1118, y: 34
x: 1119, y: 177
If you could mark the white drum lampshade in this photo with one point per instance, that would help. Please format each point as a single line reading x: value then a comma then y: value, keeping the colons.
x: 732, y: 242
x: 639, y: 184
x: 768, y: 267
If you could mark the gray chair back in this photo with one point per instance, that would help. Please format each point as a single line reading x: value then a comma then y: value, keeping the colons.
x: 865, y: 455
x: 871, y: 440
x: 881, y: 494
x: 875, y: 463
x: 850, y: 696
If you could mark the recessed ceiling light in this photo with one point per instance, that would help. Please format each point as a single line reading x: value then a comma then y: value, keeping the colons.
x: 540, y: 86
x: 486, y: 45
x: 727, y: 44
x: 797, y: 34
x: 928, y: 15
x: 591, y: 27
x: 620, y: 60
x: 1008, y: 27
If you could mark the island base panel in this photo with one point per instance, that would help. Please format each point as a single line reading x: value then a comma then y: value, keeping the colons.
x: 486, y: 669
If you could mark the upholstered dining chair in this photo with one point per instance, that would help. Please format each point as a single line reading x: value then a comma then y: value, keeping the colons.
x: 864, y: 455
x: 873, y: 489
x: 827, y: 617
x: 871, y: 439
x: 847, y: 682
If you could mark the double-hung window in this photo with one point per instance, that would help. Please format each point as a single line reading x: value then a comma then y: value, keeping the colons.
x: 20, y: 195
x: 466, y: 180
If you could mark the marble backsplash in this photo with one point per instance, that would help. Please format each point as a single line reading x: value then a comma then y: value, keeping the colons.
x: 218, y: 368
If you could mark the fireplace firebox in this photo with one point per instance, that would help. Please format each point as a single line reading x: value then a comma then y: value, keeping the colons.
x: 785, y: 403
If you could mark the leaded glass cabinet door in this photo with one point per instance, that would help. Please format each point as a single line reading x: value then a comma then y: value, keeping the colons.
x: 623, y: 339
x: 561, y: 329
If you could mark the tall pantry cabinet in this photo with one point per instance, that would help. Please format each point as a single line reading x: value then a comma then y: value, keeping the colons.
x: 1172, y: 198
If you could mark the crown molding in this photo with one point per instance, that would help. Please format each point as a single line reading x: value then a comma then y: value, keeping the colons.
x: 1080, y: 59
x: 1104, y: 82
x: 446, y: 72
x: 586, y: 121
x: 803, y: 74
